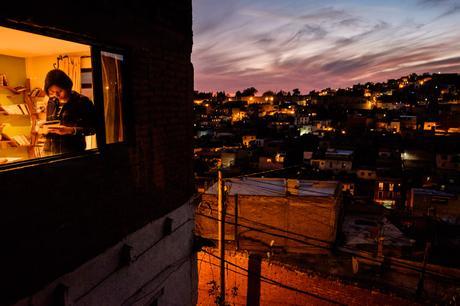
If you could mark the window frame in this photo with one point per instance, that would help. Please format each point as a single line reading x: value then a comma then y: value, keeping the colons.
x: 96, y: 47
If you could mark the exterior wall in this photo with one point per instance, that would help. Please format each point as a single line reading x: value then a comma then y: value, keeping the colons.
x: 445, y: 206
x: 295, y: 219
x: 228, y: 159
x: 334, y: 165
x: 301, y: 284
x: 247, y: 140
x: 301, y: 120
x: 429, y: 126
x: 395, y: 126
x: 162, y: 266
x: 350, y: 187
x: 448, y: 161
x: 383, y: 195
x: 269, y: 163
x: 366, y: 174
x: 56, y: 216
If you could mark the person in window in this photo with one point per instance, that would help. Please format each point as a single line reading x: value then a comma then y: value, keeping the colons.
x: 73, y: 113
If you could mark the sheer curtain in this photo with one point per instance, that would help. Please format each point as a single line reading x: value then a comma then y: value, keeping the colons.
x: 112, y: 83
x: 72, y: 66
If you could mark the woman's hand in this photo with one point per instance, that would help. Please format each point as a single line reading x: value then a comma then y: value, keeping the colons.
x: 61, y: 129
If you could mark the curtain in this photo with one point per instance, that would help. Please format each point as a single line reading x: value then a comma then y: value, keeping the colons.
x: 72, y: 66
x: 112, y: 86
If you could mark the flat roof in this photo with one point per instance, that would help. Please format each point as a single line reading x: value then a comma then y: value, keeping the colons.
x: 276, y: 187
x: 433, y: 192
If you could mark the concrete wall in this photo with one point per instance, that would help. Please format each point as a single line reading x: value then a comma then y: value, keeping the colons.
x: 162, y: 265
x: 299, y: 224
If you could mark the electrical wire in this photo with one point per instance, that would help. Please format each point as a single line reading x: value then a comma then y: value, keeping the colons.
x: 156, y: 242
x: 178, y: 264
x: 283, y: 193
x: 134, y: 259
x: 396, y: 264
x: 274, y: 282
x: 264, y: 172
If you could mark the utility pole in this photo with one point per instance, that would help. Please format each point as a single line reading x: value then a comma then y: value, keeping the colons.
x: 237, y: 240
x: 221, y: 230
x: 421, y: 280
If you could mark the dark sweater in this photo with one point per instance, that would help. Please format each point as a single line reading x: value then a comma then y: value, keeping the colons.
x: 78, y: 112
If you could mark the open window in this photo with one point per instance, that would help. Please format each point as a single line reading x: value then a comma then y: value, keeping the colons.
x: 39, y: 121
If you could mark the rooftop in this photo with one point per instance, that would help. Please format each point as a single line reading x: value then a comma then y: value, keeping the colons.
x: 432, y: 192
x: 276, y: 187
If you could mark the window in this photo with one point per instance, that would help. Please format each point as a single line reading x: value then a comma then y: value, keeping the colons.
x: 39, y: 121
x: 391, y: 187
x: 380, y: 185
x: 112, y: 84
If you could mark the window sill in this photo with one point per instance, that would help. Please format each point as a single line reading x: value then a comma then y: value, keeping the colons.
x: 47, y: 160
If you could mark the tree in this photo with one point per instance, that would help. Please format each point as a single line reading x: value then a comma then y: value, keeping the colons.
x: 296, y: 92
x: 268, y: 93
x: 221, y: 96
x: 251, y: 91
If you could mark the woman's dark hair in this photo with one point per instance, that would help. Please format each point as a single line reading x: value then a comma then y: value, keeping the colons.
x: 59, y: 78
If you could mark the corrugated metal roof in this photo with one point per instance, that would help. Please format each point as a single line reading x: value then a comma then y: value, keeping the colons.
x: 277, y: 187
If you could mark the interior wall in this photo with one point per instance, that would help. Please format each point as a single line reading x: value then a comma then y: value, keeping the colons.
x: 14, y: 68
x: 38, y: 67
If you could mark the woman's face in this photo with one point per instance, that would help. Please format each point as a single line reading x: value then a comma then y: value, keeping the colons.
x: 58, y: 92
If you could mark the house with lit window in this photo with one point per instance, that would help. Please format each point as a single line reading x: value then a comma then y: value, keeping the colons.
x: 387, y: 190
x: 108, y: 220
x: 334, y: 160
x: 248, y: 140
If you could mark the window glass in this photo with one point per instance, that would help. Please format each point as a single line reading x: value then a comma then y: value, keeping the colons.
x: 113, y: 96
x: 46, y: 106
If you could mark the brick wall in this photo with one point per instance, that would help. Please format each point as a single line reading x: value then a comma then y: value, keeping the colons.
x: 302, y: 286
x: 57, y: 216
x: 291, y: 217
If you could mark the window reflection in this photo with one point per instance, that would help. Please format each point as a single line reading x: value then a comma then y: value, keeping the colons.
x: 113, y: 96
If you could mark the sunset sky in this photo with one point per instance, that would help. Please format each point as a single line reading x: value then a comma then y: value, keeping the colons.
x: 286, y: 44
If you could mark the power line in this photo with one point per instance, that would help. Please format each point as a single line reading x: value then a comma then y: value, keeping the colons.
x: 134, y: 259
x: 274, y: 282
x: 278, y: 229
x: 299, y: 198
x: 264, y: 172
x: 396, y: 264
x: 265, y: 232
x: 277, y: 185
x: 178, y: 264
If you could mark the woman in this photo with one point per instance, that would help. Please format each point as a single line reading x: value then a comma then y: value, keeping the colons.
x: 74, y: 113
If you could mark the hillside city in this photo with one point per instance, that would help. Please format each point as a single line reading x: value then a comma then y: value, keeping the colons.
x: 392, y: 149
